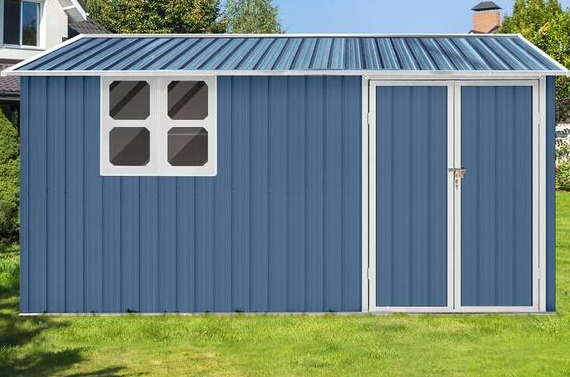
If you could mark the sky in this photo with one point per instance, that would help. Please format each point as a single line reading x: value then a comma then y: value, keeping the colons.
x: 381, y: 16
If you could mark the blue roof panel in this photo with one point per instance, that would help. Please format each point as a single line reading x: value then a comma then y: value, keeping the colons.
x: 296, y: 53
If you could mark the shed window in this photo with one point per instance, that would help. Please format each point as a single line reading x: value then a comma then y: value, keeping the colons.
x: 187, y: 146
x: 188, y: 100
x: 158, y: 126
x: 130, y: 100
x: 129, y: 146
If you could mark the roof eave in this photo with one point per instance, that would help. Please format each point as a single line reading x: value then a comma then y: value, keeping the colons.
x: 375, y: 73
x: 74, y: 10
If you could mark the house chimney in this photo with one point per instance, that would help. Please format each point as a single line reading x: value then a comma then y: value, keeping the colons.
x: 486, y: 18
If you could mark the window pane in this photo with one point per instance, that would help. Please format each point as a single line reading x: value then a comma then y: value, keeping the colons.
x: 187, y: 146
x: 188, y: 100
x: 129, y: 146
x: 30, y: 13
x: 12, y: 22
x: 129, y: 100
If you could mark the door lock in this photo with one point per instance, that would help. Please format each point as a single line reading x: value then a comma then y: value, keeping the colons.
x: 458, y: 175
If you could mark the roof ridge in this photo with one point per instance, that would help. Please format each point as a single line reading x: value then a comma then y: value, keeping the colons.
x: 310, y: 35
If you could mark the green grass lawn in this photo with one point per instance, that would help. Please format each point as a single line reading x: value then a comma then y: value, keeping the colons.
x: 331, y: 345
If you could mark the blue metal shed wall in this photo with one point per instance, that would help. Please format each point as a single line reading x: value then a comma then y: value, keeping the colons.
x: 550, y: 194
x: 278, y: 229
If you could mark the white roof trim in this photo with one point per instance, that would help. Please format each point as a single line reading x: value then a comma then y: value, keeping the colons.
x: 74, y: 10
x: 386, y: 74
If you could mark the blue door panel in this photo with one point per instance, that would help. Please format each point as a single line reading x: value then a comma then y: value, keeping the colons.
x: 411, y: 209
x: 496, y: 217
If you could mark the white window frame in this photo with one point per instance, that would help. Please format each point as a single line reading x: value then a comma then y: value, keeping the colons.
x: 158, y: 124
x: 38, y: 44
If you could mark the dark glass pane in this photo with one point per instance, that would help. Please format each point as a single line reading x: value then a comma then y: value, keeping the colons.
x: 30, y: 13
x: 129, y: 146
x: 12, y: 22
x: 129, y: 100
x: 187, y: 146
x: 188, y: 100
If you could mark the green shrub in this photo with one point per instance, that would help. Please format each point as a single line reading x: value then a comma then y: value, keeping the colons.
x: 562, y: 152
x: 10, y: 179
x: 563, y: 176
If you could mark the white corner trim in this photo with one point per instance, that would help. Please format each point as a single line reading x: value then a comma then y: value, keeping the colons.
x: 543, y: 191
x: 365, y: 194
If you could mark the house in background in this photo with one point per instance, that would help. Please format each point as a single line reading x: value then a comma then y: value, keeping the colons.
x: 29, y: 27
x: 486, y: 18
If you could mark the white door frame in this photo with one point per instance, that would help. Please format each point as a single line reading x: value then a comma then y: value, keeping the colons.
x: 371, y: 281
x: 454, y: 196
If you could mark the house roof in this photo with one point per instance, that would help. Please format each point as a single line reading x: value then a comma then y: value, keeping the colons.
x: 9, y: 86
x: 485, y: 5
x: 495, y: 29
x: 85, y: 27
x: 107, y: 54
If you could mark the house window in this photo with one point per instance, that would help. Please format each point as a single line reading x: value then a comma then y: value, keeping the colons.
x: 157, y: 126
x: 21, y: 23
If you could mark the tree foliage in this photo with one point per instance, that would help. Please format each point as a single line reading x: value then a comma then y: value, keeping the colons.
x: 10, y: 182
x: 547, y: 25
x: 157, y: 16
x: 251, y: 17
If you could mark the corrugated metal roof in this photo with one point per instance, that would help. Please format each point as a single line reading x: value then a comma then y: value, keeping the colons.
x: 96, y: 53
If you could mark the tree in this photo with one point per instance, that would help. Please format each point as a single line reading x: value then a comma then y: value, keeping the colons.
x: 10, y: 182
x: 547, y: 25
x: 251, y: 17
x: 157, y: 16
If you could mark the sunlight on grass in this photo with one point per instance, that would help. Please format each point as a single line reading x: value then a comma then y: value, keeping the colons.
x: 331, y: 345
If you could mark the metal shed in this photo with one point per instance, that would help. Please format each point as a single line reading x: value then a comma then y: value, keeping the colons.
x: 288, y: 173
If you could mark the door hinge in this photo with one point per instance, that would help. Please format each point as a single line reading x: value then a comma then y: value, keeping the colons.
x: 368, y: 273
x: 368, y: 119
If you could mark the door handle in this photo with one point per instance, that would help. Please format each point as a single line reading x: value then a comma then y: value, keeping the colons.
x: 458, y: 175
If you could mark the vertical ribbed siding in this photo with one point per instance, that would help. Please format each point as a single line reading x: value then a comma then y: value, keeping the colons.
x: 411, y: 201
x: 496, y: 217
x: 278, y: 229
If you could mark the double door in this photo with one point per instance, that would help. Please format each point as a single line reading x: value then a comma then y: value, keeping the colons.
x: 453, y: 196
